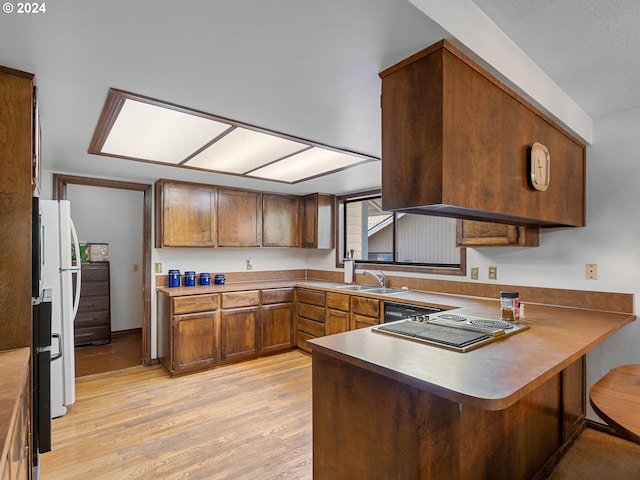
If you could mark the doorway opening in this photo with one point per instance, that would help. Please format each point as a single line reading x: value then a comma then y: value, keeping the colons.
x: 61, y: 182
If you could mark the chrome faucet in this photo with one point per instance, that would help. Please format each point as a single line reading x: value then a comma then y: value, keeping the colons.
x: 380, y: 277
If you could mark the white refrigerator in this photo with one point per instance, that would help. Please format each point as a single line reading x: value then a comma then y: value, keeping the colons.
x: 60, y: 274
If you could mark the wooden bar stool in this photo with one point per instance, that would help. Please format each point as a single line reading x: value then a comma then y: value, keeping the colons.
x: 616, y: 399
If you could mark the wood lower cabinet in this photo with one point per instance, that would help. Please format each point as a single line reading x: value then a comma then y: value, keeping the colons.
x: 188, y: 332
x: 15, y: 396
x: 470, y: 233
x: 185, y: 215
x: 337, y: 320
x: 92, y: 325
x: 240, y: 324
x: 239, y: 218
x: 365, y: 312
x: 277, y: 319
x: 310, y: 316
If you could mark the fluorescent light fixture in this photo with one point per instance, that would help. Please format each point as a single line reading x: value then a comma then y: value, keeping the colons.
x: 150, y: 132
x: 243, y: 150
x: 140, y: 128
x: 307, y: 164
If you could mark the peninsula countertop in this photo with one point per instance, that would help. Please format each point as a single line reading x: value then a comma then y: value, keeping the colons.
x: 492, y: 377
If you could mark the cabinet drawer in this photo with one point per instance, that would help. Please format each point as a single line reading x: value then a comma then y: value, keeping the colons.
x: 338, y: 301
x: 195, y: 303
x: 92, y: 319
x: 88, y: 335
x: 365, y: 306
x: 241, y: 299
x: 362, y: 321
x: 93, y: 304
x: 301, y: 341
x: 277, y: 295
x: 311, y: 311
x: 94, y: 288
x: 309, y: 326
x: 314, y: 297
x: 95, y: 273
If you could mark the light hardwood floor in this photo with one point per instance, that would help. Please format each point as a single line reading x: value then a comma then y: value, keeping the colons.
x: 246, y: 421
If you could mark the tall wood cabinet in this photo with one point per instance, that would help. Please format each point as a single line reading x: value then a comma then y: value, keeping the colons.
x: 92, y: 325
x: 17, y: 165
x: 318, y: 221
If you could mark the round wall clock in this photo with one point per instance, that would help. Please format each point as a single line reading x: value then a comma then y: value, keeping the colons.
x: 538, y: 165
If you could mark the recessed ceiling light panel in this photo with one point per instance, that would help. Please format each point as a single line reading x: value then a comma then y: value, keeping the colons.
x: 307, y: 164
x: 243, y: 150
x: 150, y: 132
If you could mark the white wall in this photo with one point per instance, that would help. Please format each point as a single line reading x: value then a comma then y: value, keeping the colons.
x: 114, y: 216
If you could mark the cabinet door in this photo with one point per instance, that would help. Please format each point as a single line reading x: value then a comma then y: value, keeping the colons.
x: 240, y: 334
x: 281, y: 221
x: 239, y: 218
x: 337, y: 321
x: 317, y: 228
x: 185, y: 215
x: 470, y: 233
x: 195, y: 340
x: 277, y: 327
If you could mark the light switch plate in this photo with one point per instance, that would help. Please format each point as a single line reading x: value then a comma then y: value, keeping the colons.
x: 493, y: 272
x: 474, y: 273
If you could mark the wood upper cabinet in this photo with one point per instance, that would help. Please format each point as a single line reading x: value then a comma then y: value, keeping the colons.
x: 281, y: 220
x: 185, y: 215
x: 455, y: 141
x: 239, y: 218
x: 470, y: 233
x: 318, y: 221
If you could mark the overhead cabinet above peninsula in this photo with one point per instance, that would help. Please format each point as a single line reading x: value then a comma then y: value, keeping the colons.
x: 456, y: 142
x: 196, y: 215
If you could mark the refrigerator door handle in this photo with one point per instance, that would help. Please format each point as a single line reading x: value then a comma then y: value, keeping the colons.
x: 77, y: 268
x: 58, y: 355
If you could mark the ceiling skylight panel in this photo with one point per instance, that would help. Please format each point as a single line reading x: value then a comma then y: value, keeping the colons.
x: 243, y: 150
x: 310, y: 163
x: 149, y: 132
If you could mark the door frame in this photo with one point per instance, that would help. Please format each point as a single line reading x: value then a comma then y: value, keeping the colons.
x: 60, y: 183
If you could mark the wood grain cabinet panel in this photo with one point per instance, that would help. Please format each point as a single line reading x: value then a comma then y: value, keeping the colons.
x: 337, y: 316
x: 195, y: 341
x: 455, y: 140
x: 310, y: 316
x: 318, y: 221
x: 185, y: 215
x: 470, y: 233
x: 239, y: 218
x: 281, y: 225
x: 240, y: 332
x: 277, y: 327
x: 365, y: 312
x: 17, y: 117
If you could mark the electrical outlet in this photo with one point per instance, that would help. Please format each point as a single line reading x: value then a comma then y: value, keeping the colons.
x: 249, y: 264
x: 591, y: 271
x: 474, y: 273
x: 493, y: 272
x: 158, y: 267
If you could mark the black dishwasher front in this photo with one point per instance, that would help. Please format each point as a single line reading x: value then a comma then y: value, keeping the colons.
x: 398, y: 311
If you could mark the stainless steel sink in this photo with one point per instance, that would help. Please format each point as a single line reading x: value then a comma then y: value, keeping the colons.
x: 356, y: 288
x: 386, y: 290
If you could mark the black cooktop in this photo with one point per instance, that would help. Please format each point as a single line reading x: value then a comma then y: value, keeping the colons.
x: 455, y: 338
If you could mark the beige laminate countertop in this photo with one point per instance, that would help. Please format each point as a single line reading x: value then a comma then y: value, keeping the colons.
x: 492, y: 377
x: 15, y: 371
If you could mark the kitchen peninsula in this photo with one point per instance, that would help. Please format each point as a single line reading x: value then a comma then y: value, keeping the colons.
x: 386, y: 407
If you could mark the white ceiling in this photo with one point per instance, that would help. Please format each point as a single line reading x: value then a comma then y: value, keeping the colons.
x: 307, y: 69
